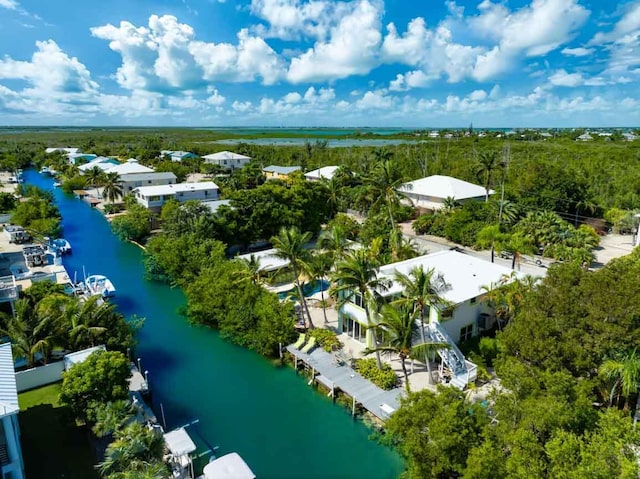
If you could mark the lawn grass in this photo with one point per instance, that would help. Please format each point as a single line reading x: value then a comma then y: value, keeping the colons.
x: 53, y: 446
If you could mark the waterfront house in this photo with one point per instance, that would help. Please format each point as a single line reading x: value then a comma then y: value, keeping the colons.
x: 431, y: 192
x: 154, y: 197
x: 275, y: 172
x: 101, y: 162
x: 11, y: 462
x: 131, y: 181
x: 177, y: 156
x: 74, y: 158
x: 584, y: 137
x: 466, y: 276
x: 129, y: 167
x: 214, y: 205
x: 227, y: 160
x: 326, y: 172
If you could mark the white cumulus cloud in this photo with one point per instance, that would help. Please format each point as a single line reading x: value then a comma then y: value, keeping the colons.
x: 9, y: 4
x: 577, y: 52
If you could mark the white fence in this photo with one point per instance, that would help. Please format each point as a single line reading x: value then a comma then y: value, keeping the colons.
x: 40, y: 376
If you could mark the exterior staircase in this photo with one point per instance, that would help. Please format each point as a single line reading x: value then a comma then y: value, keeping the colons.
x: 462, y: 371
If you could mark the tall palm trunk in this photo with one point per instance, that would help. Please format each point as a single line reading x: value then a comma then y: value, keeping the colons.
x: 427, y: 359
x: 375, y: 338
x: 393, y: 223
x: 303, y: 301
x: 404, y: 370
x: 324, y: 306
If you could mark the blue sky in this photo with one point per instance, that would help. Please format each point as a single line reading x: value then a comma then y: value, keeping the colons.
x: 415, y: 63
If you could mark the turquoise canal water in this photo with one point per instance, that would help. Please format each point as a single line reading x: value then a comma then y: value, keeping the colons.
x: 243, y: 403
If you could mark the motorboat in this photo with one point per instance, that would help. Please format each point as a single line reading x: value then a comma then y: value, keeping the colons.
x: 59, y: 246
x: 45, y: 170
x: 230, y: 466
x: 100, y: 285
x: 57, y: 184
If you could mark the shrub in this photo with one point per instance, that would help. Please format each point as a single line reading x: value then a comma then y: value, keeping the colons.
x: 488, y: 349
x: 384, y: 378
x: 423, y: 224
x: 327, y: 339
x: 7, y: 202
x: 74, y: 183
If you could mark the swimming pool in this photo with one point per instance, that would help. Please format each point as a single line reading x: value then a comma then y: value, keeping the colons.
x: 308, y: 289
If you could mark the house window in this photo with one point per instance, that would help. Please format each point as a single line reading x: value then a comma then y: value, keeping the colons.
x: 472, y: 301
x: 356, y: 298
x: 149, y: 181
x: 206, y: 193
x: 154, y: 198
x: 466, y: 333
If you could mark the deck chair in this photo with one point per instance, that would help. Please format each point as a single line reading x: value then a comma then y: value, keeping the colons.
x: 298, y: 344
x: 310, y: 345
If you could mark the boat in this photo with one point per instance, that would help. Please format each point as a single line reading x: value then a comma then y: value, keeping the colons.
x: 45, y: 170
x: 58, y: 246
x: 229, y: 466
x: 57, y: 184
x: 100, y: 285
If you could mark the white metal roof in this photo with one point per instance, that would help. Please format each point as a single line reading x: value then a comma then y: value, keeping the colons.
x: 131, y: 166
x: 214, y: 205
x: 326, y: 172
x: 440, y: 186
x: 157, y: 190
x: 159, y: 175
x: 226, y: 155
x: 465, y: 274
x: 62, y: 150
x: 8, y: 391
x: 267, y: 258
x: 101, y: 162
x: 80, y: 356
x: 230, y: 466
x: 179, y: 442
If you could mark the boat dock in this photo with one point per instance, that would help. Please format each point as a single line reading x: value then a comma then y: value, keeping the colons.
x: 332, y: 373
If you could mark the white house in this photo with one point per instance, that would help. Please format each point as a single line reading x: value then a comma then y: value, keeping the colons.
x: 267, y: 260
x: 465, y: 276
x: 130, y: 181
x: 325, y: 172
x: 130, y: 166
x: 276, y: 172
x: 62, y: 150
x: 101, y: 162
x: 154, y: 197
x: 11, y: 462
x: 464, y: 279
x: 584, y: 137
x: 178, y: 156
x: 227, y: 160
x: 432, y: 191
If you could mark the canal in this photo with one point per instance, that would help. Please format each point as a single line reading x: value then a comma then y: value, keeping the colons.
x: 243, y: 403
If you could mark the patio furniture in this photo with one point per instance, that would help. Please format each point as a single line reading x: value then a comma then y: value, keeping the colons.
x: 310, y: 345
x: 298, y: 344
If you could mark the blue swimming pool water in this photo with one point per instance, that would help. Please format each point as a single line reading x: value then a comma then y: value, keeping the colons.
x: 309, y: 289
x: 243, y: 402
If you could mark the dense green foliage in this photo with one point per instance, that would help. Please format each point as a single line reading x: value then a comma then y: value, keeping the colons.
x: 134, y: 224
x: 8, y: 202
x: 326, y: 339
x: 45, y: 319
x: 384, y: 378
x: 101, y: 378
x: 38, y: 213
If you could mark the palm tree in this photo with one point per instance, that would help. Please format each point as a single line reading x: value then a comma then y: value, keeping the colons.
x: 519, y: 244
x: 317, y: 268
x: 491, y: 236
x: 624, y: 372
x: 143, y: 470
x: 400, y: 329
x: 357, y: 273
x: 488, y: 162
x: 112, y: 416
x: 290, y: 245
x: 136, y: 442
x: 449, y: 204
x: 423, y: 290
x: 111, y: 187
x: 31, y: 332
x: 384, y: 182
x: 334, y: 241
x: 86, y: 320
x: 252, y: 269
x: 94, y: 176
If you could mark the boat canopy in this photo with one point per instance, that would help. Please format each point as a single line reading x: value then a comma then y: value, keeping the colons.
x: 179, y: 442
x: 231, y: 466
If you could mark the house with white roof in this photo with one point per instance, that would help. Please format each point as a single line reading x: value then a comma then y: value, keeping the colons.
x: 629, y: 137
x: 11, y: 463
x: 584, y: 137
x: 326, y: 172
x: 83, y: 157
x: 432, y: 191
x: 130, y: 166
x: 267, y: 260
x: 154, y: 197
x: 130, y: 181
x: 227, y: 160
x: 178, y: 156
x: 62, y: 150
x: 275, y: 172
x: 464, y: 279
x: 101, y: 162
